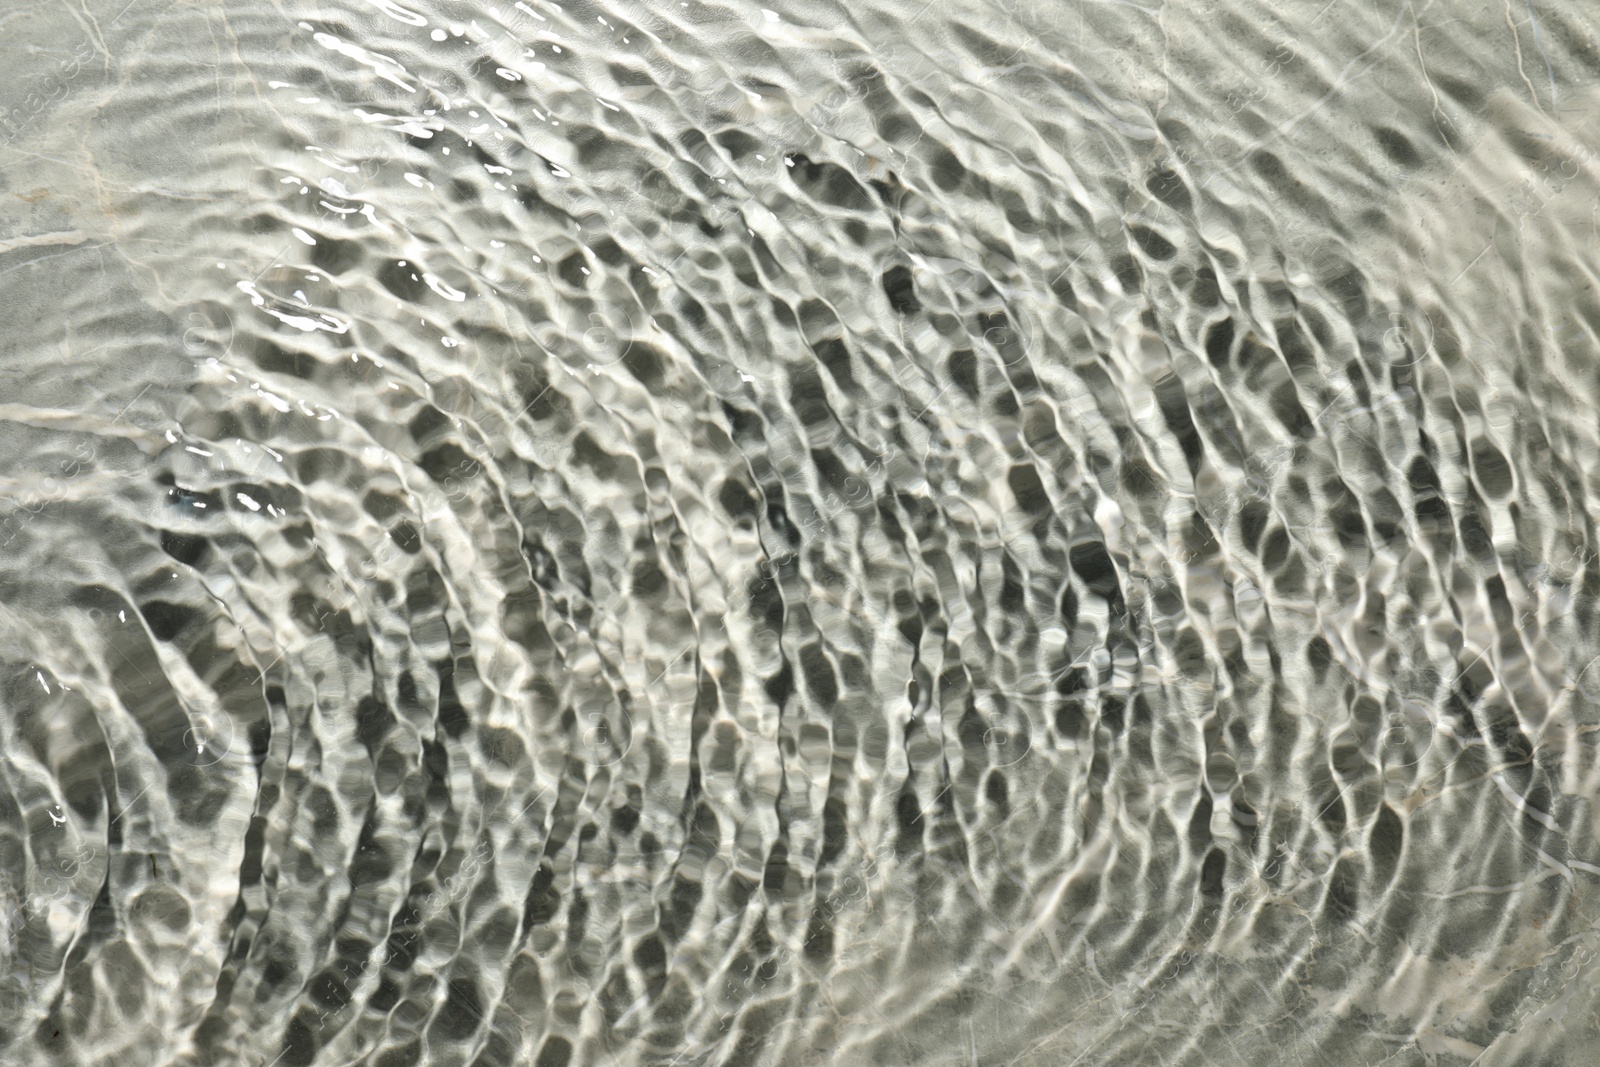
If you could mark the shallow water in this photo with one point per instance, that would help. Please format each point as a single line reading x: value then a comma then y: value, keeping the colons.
x: 1033, y: 533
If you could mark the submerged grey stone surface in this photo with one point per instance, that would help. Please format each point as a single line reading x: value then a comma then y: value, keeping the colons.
x: 693, y: 533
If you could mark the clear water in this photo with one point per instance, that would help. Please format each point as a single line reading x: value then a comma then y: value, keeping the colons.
x: 1033, y: 533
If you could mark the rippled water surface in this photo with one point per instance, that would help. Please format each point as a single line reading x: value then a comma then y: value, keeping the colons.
x: 688, y: 533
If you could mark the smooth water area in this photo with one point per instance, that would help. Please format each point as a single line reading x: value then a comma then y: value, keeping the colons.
x: 1033, y: 533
